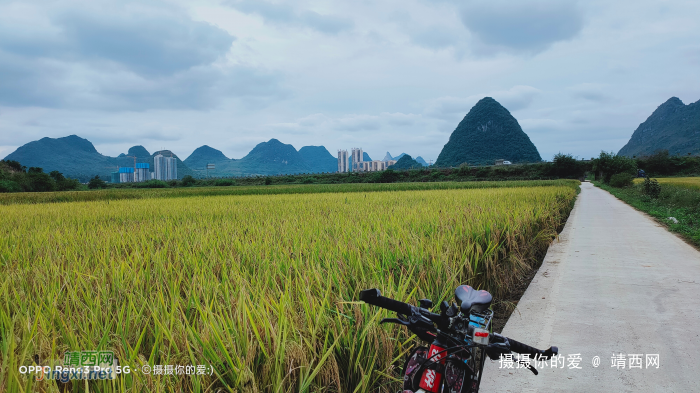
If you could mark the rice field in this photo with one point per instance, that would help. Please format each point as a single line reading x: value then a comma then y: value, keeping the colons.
x: 686, y: 182
x: 184, y: 192
x: 262, y: 288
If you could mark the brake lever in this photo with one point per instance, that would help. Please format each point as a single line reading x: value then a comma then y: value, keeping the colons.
x: 529, y: 366
x: 395, y: 320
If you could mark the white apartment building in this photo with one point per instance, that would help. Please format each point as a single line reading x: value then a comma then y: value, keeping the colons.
x: 358, y: 162
x: 343, y: 163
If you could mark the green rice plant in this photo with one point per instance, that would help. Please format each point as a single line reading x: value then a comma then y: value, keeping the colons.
x: 262, y: 288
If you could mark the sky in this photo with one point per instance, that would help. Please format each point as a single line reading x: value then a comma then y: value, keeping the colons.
x: 384, y: 75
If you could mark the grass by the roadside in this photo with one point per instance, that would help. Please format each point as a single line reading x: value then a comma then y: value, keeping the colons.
x: 680, y: 199
x: 118, y: 194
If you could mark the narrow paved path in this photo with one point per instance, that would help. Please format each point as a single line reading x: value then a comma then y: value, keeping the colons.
x: 616, y: 282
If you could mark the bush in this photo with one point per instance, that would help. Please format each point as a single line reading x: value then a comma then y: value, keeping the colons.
x: 188, y: 181
x: 96, y: 183
x: 651, y: 188
x: 151, y: 184
x: 40, y: 181
x: 268, y: 181
x: 224, y: 182
x: 387, y: 176
x: 14, y: 165
x: 309, y: 180
x: 63, y: 183
x: 609, y: 164
x: 621, y: 180
x: 565, y: 166
x: 9, y: 186
x: 662, y: 163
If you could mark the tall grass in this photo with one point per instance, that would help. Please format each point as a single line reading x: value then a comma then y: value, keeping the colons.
x: 117, y: 194
x: 262, y: 288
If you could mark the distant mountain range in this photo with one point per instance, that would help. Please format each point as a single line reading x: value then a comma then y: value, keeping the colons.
x: 673, y: 126
x: 76, y: 157
x: 487, y: 133
x: 319, y: 159
x: 418, y: 159
x: 267, y: 158
x: 204, y: 155
x: 406, y: 162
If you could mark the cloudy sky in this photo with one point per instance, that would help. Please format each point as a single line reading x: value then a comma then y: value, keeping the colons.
x: 385, y: 75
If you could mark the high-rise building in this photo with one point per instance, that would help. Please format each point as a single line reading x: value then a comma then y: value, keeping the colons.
x: 357, y: 158
x: 142, y: 172
x: 173, y: 168
x: 165, y: 168
x: 126, y: 175
x: 343, y: 164
x: 159, y: 167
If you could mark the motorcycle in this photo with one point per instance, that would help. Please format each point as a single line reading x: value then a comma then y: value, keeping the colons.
x: 460, y: 339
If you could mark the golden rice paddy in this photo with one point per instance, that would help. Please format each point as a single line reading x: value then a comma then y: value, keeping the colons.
x: 262, y: 288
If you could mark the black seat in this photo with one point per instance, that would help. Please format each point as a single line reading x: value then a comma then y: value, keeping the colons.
x: 471, y: 300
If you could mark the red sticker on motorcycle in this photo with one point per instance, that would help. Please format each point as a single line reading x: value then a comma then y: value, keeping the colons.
x: 431, y: 378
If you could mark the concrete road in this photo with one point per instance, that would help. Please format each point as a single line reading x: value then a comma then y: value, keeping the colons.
x: 616, y: 283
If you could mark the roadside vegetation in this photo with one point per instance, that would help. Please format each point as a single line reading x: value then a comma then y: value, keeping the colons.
x: 674, y: 202
x: 262, y: 288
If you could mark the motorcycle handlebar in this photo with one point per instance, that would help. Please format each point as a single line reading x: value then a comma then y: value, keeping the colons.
x: 525, y: 349
x: 374, y: 297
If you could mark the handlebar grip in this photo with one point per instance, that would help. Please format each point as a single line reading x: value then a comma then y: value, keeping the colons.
x: 521, y: 348
x: 374, y: 297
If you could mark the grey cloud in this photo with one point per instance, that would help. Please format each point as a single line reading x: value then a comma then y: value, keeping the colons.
x: 449, y: 107
x: 434, y: 37
x: 513, y: 99
x: 358, y: 123
x: 286, y: 15
x: 590, y: 91
x: 26, y: 83
x: 146, y: 44
x: 517, y: 97
x: 693, y: 56
x: 117, y: 59
x: 522, y: 26
x: 198, y: 88
x: 351, y: 122
x: 401, y: 119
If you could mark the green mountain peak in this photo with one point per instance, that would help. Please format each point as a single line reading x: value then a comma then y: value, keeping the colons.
x: 487, y: 133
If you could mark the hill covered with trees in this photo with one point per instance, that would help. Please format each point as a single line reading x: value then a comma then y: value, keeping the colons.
x: 673, y: 127
x: 487, y: 133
